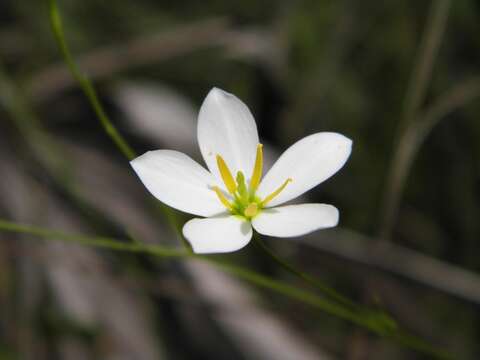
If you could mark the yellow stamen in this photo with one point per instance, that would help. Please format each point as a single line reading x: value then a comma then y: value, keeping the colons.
x: 257, y: 170
x: 222, y: 198
x: 226, y: 175
x: 276, y: 192
x: 251, y: 210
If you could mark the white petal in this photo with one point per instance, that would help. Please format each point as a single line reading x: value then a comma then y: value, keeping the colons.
x: 226, y: 127
x: 295, y: 220
x: 178, y: 181
x: 308, y: 162
x: 220, y: 234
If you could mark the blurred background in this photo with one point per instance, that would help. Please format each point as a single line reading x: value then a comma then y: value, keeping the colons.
x: 401, y: 79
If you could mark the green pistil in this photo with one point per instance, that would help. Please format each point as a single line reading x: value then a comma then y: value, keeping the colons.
x: 245, y: 203
x: 242, y: 188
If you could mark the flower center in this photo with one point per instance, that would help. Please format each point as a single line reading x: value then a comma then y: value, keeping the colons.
x: 242, y: 200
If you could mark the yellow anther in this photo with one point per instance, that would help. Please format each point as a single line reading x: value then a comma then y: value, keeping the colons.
x: 251, y: 210
x: 257, y: 170
x: 226, y: 175
x: 222, y: 198
x: 276, y: 192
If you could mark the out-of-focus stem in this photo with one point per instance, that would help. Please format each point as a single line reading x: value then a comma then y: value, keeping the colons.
x: 246, y: 274
x: 415, y: 95
x: 428, y: 50
x: 304, y: 276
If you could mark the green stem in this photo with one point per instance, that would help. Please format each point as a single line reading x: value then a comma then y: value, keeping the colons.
x: 304, y: 276
x: 166, y: 252
x: 91, y: 94
x: 174, y: 222
x: 86, y: 85
x: 96, y: 241
x: 246, y: 274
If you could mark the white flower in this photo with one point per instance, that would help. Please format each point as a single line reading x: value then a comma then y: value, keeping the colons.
x: 232, y: 195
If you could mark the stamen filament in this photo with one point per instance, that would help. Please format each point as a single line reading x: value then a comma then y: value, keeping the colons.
x: 258, y: 168
x: 276, y: 192
x: 226, y: 175
x: 222, y: 198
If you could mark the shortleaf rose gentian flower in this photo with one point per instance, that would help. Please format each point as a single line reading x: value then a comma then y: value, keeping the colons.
x: 232, y: 196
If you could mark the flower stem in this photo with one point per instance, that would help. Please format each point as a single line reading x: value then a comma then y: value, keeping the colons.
x: 325, y: 289
x: 108, y: 126
x: 168, y: 252
x: 251, y: 276
x: 86, y: 85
